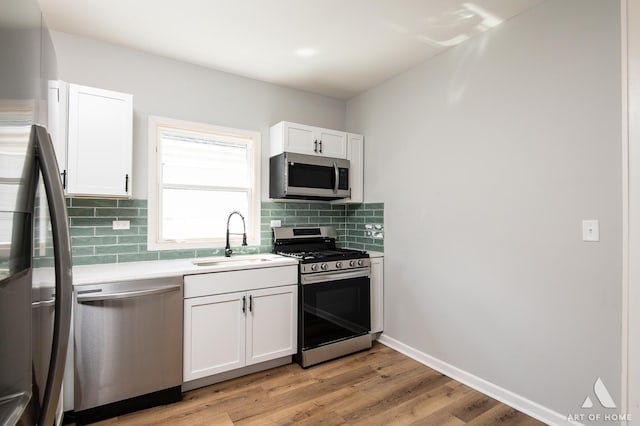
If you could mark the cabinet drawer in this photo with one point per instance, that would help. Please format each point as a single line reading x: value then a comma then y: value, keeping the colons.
x: 242, y: 280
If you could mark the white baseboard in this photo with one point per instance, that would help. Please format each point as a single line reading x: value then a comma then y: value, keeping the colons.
x: 505, y: 396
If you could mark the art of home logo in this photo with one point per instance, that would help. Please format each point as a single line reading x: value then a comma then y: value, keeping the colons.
x: 603, y: 400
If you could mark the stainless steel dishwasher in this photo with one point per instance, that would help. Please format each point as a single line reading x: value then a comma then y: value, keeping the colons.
x: 128, y: 346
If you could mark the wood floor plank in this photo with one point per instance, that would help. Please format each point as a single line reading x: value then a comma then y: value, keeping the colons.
x: 418, y: 408
x: 390, y: 396
x: 321, y: 408
x: 302, y: 394
x: 472, y: 405
x: 502, y: 415
x: 375, y: 387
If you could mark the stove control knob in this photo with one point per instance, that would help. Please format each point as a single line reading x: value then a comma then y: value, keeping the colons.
x: 314, y: 267
x: 360, y: 262
x: 352, y: 263
x: 323, y: 266
x: 338, y: 265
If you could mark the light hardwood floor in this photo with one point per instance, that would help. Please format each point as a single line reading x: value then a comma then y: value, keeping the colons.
x: 377, y: 387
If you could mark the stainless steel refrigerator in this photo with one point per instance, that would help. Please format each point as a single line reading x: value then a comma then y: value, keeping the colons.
x: 35, y: 252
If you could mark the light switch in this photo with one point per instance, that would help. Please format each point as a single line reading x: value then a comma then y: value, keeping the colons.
x: 276, y: 223
x: 590, y: 230
x: 121, y: 224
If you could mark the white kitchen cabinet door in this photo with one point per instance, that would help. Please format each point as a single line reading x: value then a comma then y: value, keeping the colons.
x: 304, y: 139
x: 272, y: 323
x: 332, y: 143
x: 214, y: 334
x: 57, y: 121
x: 377, y: 293
x: 99, y: 144
x: 355, y: 155
x: 292, y: 137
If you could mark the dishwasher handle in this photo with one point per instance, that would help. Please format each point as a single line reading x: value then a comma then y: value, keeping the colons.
x: 98, y: 297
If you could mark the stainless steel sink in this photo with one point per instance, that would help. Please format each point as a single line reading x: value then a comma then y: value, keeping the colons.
x: 230, y: 261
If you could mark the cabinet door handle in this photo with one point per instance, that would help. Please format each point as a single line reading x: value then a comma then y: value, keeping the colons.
x: 315, y: 145
x: 321, y: 147
x: 250, y: 303
x: 244, y: 304
x: 64, y: 179
x: 126, y: 183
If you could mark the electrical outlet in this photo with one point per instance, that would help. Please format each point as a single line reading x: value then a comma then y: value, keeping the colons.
x: 121, y: 224
x: 276, y: 223
x: 590, y: 230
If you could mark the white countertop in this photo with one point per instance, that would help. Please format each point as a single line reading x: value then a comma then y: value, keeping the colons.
x: 110, y: 272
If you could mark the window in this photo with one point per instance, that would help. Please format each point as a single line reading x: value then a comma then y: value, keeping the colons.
x: 198, y: 175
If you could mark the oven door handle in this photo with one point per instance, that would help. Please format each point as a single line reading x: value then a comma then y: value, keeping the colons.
x: 333, y: 276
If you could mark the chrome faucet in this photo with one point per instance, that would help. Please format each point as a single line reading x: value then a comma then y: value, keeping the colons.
x: 227, y: 247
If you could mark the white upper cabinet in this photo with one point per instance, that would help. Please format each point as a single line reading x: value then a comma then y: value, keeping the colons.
x: 303, y: 139
x: 99, y: 142
x: 332, y: 143
x: 57, y: 120
x: 92, y: 131
x: 355, y: 155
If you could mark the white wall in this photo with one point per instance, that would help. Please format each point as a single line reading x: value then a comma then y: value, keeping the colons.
x: 487, y: 158
x: 631, y: 65
x: 178, y: 90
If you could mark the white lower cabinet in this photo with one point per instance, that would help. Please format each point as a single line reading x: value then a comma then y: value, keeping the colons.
x: 272, y: 323
x: 377, y: 293
x: 224, y: 332
x: 214, y: 338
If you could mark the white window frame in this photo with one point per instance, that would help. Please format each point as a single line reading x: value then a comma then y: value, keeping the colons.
x: 154, y: 155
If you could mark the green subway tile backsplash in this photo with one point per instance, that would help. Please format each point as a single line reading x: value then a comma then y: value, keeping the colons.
x: 365, y: 226
x: 92, y: 202
x: 94, y: 241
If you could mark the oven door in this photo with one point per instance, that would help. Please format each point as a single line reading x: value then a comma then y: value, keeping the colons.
x: 335, y: 307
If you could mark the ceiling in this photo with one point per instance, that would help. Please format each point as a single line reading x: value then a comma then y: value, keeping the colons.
x: 336, y: 48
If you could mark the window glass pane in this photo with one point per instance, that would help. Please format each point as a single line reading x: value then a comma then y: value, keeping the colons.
x: 192, y: 161
x: 195, y: 214
x: 204, y: 173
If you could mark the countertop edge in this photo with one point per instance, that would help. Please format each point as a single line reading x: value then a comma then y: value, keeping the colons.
x: 112, y: 272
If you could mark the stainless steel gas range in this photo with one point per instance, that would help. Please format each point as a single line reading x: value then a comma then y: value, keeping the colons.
x: 334, y: 299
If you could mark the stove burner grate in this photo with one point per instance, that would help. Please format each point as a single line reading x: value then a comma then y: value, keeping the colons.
x: 329, y: 254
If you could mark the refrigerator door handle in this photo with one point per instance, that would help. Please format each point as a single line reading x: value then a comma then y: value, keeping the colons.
x: 43, y: 304
x: 47, y: 162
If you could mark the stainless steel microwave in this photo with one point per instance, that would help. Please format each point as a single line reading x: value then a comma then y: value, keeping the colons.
x: 308, y: 177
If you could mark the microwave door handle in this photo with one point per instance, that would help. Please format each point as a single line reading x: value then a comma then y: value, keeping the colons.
x: 336, y: 176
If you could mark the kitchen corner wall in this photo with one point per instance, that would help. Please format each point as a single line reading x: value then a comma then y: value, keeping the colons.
x: 488, y: 157
x: 94, y: 241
